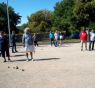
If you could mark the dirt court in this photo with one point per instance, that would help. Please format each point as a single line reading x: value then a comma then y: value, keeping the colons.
x: 53, y: 67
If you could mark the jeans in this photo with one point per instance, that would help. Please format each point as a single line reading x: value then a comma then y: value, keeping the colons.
x: 14, y: 47
x: 52, y: 41
x: 3, y: 51
x: 91, y: 45
x: 56, y: 43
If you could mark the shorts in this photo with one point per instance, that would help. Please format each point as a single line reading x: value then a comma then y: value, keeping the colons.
x: 30, y: 48
x: 83, y: 42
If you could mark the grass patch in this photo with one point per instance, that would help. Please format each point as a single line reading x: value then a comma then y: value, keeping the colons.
x: 63, y: 41
x: 71, y: 40
x: 48, y: 42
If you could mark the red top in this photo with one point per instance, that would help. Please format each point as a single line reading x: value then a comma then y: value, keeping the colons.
x: 83, y: 36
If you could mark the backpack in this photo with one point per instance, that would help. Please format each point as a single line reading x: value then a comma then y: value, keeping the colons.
x: 28, y: 39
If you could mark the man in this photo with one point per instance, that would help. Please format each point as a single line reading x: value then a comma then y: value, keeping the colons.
x: 13, y: 42
x: 4, y: 46
x: 35, y: 39
x: 92, y: 39
x: 51, y: 36
x: 83, y: 38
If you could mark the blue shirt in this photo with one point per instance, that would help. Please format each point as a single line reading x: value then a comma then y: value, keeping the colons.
x: 51, y: 35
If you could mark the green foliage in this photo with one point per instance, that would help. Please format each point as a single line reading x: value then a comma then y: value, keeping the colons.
x: 84, y: 11
x: 22, y: 27
x: 63, y: 15
x: 92, y: 25
x: 14, y: 18
x: 40, y: 21
x: 70, y: 15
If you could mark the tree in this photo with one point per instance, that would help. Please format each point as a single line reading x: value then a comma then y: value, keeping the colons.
x: 40, y: 21
x: 84, y: 12
x: 22, y: 27
x: 63, y: 15
x: 14, y: 18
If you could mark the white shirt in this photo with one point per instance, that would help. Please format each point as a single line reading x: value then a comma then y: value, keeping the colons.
x: 56, y: 36
x: 92, y: 36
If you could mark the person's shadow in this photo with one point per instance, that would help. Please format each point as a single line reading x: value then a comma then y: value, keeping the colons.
x: 44, y: 59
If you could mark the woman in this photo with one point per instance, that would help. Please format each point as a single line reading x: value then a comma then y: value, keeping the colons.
x: 27, y: 40
x: 56, y: 36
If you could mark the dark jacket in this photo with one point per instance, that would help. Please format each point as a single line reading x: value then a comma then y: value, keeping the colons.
x: 13, y: 38
x: 3, y: 43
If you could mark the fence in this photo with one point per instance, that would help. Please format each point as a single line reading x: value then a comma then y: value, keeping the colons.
x: 40, y: 37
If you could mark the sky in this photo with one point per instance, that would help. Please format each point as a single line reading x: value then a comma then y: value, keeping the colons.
x: 27, y: 7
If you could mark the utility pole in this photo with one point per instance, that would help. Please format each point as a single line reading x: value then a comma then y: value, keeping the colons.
x: 8, y: 24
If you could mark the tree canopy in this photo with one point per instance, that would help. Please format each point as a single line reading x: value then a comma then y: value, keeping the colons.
x: 68, y: 15
x: 63, y: 14
x: 40, y: 21
x: 84, y: 11
x: 14, y: 18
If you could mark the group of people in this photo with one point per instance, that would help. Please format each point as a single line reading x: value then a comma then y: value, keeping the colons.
x: 87, y: 35
x: 56, y: 38
x: 28, y: 40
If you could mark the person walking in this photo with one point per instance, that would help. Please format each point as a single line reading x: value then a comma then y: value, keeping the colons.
x: 35, y: 39
x: 83, y: 38
x: 51, y: 37
x: 13, y: 42
x: 27, y: 40
x: 56, y: 36
x: 4, y: 46
x: 92, y: 40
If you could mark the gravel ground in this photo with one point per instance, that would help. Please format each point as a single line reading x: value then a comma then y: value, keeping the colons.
x: 52, y: 67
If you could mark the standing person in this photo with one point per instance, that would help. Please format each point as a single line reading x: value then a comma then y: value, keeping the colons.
x: 92, y: 39
x: 56, y: 36
x: 35, y: 39
x: 83, y: 38
x: 4, y: 46
x: 60, y: 37
x: 13, y: 42
x: 27, y: 40
x: 51, y: 37
x: 88, y: 30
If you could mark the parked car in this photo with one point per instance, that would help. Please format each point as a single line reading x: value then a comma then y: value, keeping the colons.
x: 75, y: 35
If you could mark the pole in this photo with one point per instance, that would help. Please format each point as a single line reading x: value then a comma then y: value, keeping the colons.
x: 8, y: 24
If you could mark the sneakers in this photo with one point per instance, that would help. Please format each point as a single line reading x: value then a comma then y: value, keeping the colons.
x: 29, y: 59
x: 81, y: 49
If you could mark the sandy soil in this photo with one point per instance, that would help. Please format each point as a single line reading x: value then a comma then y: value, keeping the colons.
x: 53, y: 67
